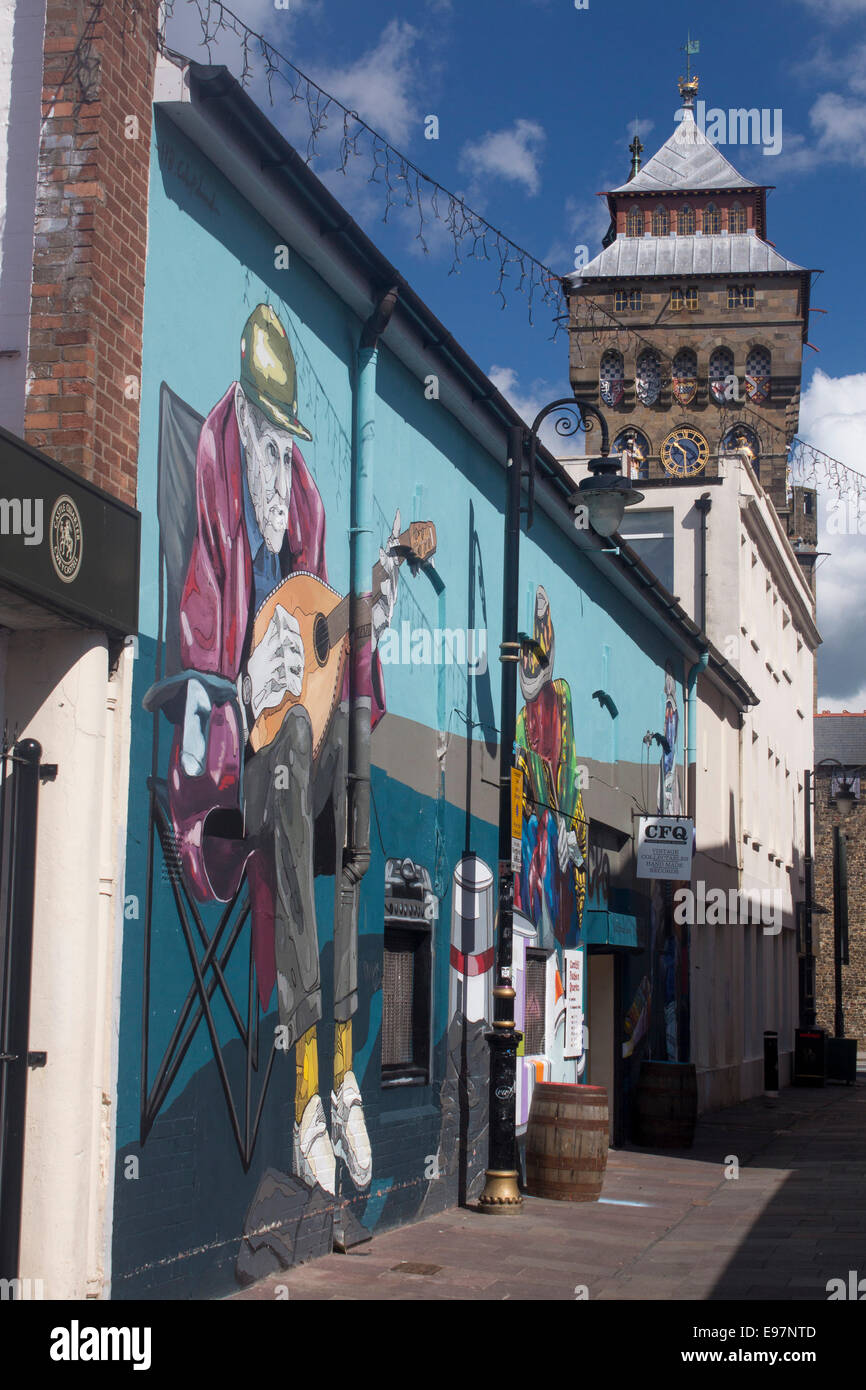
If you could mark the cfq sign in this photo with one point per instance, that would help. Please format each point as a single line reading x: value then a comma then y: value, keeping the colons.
x: 664, y: 847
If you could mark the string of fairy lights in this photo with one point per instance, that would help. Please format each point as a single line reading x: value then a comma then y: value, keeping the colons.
x: 407, y: 187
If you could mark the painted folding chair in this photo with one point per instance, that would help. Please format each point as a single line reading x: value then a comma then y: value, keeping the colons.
x: 209, y: 953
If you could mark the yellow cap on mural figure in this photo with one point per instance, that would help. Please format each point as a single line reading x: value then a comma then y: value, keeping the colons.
x: 268, y: 376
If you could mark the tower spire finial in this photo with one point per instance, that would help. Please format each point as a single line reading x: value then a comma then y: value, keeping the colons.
x: 635, y: 150
x: 688, y: 85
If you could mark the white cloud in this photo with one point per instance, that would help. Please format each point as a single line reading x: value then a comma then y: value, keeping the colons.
x: 833, y: 418
x: 513, y: 154
x: 641, y: 129
x: 840, y: 123
x: 586, y: 221
x: 529, y: 402
x: 381, y: 83
x: 837, y: 118
x: 185, y: 33
x: 836, y: 9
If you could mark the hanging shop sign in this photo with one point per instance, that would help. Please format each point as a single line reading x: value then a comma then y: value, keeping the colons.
x: 573, y: 965
x: 516, y: 818
x: 664, y: 847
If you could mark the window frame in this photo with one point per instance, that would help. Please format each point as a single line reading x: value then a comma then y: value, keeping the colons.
x: 741, y: 296
x: 711, y: 212
x: 742, y: 215
x: 627, y: 301
x: 635, y: 218
x: 417, y: 937
x: 540, y: 957
x: 686, y: 214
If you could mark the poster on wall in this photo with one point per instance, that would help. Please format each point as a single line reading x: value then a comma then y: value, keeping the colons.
x: 664, y: 848
x: 516, y: 818
x: 573, y: 962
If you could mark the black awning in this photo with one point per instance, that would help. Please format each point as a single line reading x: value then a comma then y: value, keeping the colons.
x: 66, y: 544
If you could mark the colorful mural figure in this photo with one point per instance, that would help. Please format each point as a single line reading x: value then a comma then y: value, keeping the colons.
x: 669, y: 801
x: 551, y: 887
x: 656, y: 1022
x: 257, y: 773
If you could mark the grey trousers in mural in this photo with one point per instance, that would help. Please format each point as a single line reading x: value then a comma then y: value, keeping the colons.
x: 298, y: 807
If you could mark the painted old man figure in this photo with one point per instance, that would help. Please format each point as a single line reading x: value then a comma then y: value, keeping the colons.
x: 276, y: 811
x: 551, y: 886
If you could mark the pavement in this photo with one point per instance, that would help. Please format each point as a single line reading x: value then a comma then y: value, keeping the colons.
x: 669, y: 1225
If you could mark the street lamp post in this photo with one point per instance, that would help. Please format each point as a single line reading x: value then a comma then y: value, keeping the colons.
x: 605, y: 495
x: 841, y: 1052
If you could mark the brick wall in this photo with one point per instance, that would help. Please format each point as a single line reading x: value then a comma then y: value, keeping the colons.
x: 84, y: 359
x: 853, y: 974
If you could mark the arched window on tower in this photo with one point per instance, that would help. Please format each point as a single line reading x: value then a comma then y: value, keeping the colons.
x: 648, y: 378
x: 661, y: 222
x: 721, y: 376
x: 758, y: 375
x: 634, y: 222
x: 684, y: 380
x: 686, y: 221
x: 611, y: 377
x: 712, y: 220
x: 737, y: 220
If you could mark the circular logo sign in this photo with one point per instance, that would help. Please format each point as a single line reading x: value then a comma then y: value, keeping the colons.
x: 66, y: 539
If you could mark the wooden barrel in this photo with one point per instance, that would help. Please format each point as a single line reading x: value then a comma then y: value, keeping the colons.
x: 566, y: 1142
x: 666, y: 1105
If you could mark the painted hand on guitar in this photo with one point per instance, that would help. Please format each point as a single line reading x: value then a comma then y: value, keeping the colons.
x: 276, y: 665
x: 383, y: 604
x: 567, y: 848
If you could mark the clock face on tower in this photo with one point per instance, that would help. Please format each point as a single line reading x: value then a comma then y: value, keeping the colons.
x: 685, y: 452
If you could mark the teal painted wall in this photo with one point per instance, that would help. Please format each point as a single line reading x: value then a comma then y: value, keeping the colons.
x: 182, y: 1196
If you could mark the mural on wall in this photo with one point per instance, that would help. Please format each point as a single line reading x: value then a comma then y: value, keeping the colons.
x: 550, y: 889
x: 257, y: 771
x: 656, y: 1023
x: 669, y: 802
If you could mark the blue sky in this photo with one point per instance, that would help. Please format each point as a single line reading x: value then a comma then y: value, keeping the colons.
x: 536, y: 102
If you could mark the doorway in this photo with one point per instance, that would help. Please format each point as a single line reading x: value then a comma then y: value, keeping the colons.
x: 601, y: 1061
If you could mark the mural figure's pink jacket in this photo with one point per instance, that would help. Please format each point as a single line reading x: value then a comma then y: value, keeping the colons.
x: 214, y: 613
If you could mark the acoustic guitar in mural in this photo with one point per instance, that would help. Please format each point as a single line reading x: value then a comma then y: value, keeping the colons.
x: 323, y: 618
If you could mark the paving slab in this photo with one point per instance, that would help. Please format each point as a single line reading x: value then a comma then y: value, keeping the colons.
x: 793, y: 1218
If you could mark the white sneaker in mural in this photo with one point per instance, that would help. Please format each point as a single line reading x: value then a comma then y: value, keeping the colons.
x: 315, y: 1163
x: 349, y: 1130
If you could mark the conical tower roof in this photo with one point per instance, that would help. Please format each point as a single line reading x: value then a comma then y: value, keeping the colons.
x: 687, y: 161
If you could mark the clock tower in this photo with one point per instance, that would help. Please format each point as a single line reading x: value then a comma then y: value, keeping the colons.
x: 706, y: 366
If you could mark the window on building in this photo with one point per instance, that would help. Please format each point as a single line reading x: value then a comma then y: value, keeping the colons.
x: 686, y: 221
x: 737, y: 220
x: 651, y: 534
x: 721, y: 374
x: 634, y: 222
x: 661, y: 222
x: 741, y: 297
x: 684, y: 298
x: 712, y: 220
x: 406, y: 1006
x: 407, y: 977
x: 627, y: 299
x: 536, y: 1003
x: 758, y: 374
